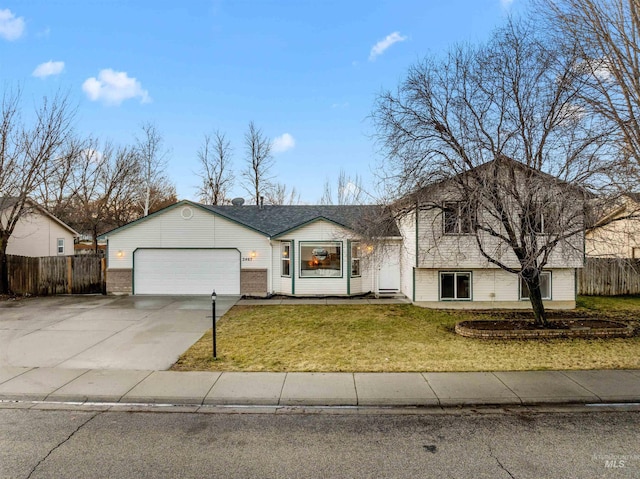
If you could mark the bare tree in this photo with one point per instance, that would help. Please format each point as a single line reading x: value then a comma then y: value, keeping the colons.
x: 279, y: 194
x: 215, y: 169
x: 349, y: 191
x: 153, y: 158
x: 56, y: 188
x: 491, y: 143
x: 105, y: 186
x: 25, y: 151
x: 257, y: 180
x: 607, y: 36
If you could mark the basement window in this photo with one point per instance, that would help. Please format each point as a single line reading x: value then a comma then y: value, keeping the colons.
x: 455, y: 286
x: 545, y: 286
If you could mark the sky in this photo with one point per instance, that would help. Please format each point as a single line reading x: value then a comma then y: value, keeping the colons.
x: 307, y: 72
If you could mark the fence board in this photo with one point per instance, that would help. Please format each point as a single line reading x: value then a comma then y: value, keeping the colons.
x: 609, y: 277
x: 56, y: 275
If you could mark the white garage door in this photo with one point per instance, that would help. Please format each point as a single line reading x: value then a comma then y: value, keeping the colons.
x: 186, y: 271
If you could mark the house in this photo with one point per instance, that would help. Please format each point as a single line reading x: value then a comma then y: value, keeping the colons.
x: 189, y: 248
x: 422, y: 252
x: 38, y: 233
x: 617, y: 234
x: 441, y: 260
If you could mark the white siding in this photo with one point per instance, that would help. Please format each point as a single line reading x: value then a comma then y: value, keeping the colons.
x: 203, y: 229
x: 407, y: 226
x: 321, y: 231
x: 37, y: 235
x: 493, y: 288
x: 437, y: 250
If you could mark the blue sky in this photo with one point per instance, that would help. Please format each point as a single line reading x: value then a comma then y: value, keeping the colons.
x: 306, y: 72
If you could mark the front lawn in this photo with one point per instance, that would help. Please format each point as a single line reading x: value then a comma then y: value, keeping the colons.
x: 386, y: 338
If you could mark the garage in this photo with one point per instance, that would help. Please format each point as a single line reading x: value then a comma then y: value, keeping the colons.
x: 186, y: 271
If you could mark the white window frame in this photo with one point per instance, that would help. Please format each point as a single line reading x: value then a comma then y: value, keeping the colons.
x: 320, y: 245
x: 355, y: 259
x: 523, y: 287
x: 461, y: 227
x: 455, y: 285
x: 60, y: 245
x: 285, y: 258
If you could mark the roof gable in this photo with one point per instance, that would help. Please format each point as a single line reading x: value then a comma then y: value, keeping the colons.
x: 275, y: 220
x: 8, y: 202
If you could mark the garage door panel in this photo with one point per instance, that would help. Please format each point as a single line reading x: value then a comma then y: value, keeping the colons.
x: 186, y: 271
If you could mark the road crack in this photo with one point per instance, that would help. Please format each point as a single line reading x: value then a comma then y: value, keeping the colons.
x: 53, y: 449
x: 492, y: 455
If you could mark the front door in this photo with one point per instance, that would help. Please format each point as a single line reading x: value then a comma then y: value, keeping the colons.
x: 389, y: 270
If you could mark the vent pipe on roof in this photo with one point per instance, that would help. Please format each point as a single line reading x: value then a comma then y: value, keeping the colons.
x: 261, y: 202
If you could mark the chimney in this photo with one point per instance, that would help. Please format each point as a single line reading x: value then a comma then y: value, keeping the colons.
x: 261, y: 202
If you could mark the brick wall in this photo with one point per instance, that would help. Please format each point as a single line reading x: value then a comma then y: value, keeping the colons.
x: 253, y: 282
x: 119, y: 281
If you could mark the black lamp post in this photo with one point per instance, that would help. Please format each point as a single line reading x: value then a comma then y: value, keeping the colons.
x: 213, y: 315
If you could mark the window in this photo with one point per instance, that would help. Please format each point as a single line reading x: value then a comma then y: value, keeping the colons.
x: 319, y: 260
x: 455, y: 286
x: 285, y: 258
x: 355, y: 259
x: 457, y: 219
x: 60, y: 245
x: 545, y: 286
x: 635, y: 252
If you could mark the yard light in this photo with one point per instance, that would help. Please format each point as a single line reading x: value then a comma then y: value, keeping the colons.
x: 214, y: 296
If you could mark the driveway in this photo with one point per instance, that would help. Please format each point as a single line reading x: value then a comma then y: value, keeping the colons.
x: 103, y: 332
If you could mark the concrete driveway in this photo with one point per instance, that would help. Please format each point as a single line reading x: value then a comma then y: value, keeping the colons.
x: 103, y: 332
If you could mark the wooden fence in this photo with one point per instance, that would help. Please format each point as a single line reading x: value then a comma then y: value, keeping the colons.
x: 609, y: 277
x: 56, y: 275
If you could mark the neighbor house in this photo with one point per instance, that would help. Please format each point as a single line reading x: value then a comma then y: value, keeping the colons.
x: 189, y: 248
x: 617, y: 234
x: 38, y: 233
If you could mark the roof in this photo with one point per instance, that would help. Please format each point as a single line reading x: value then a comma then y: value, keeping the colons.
x: 276, y: 220
x: 419, y: 193
x: 9, y: 201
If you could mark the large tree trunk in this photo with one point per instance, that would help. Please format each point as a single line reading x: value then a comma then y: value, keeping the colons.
x: 531, y: 276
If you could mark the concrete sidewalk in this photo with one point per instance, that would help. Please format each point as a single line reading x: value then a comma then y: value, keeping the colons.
x: 318, y: 389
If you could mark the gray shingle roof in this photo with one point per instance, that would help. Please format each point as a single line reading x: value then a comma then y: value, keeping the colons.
x: 276, y: 220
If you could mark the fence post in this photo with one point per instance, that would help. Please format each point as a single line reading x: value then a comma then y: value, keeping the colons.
x: 69, y: 274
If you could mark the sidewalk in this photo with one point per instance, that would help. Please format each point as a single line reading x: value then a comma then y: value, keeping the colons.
x: 318, y: 389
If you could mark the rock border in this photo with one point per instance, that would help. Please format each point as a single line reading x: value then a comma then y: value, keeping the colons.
x: 624, y: 331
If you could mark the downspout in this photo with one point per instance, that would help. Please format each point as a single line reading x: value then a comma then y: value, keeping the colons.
x: 417, y: 251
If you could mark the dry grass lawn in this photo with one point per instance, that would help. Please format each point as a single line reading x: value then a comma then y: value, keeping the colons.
x: 386, y: 338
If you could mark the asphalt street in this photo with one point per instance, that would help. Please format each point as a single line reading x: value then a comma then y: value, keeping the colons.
x: 329, y: 444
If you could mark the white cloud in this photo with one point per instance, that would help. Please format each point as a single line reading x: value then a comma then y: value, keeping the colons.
x: 112, y: 88
x: 11, y: 27
x: 340, y: 105
x: 506, y: 3
x: 48, y: 68
x: 283, y: 143
x: 380, y: 47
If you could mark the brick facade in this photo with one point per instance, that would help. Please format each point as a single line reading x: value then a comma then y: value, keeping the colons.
x: 119, y: 281
x: 253, y: 282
